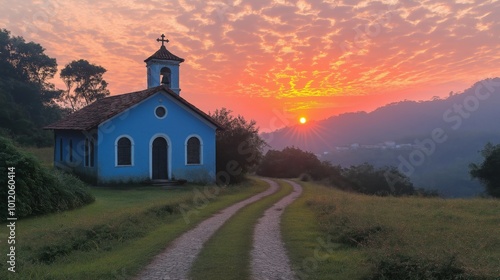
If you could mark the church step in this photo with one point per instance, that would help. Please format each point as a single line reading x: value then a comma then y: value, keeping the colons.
x: 166, y: 183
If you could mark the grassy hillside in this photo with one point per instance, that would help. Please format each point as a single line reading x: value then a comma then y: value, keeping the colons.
x: 337, y: 235
x: 117, y: 235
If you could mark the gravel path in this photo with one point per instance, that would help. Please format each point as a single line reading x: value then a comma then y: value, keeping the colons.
x: 269, y: 258
x: 177, y: 259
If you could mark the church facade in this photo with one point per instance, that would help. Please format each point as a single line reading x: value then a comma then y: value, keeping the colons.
x: 153, y: 134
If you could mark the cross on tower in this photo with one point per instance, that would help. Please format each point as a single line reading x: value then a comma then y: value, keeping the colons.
x: 162, y: 40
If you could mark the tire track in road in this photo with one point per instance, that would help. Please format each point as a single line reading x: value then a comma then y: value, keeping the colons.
x: 269, y: 257
x: 176, y: 260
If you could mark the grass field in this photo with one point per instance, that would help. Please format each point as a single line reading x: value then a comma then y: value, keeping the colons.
x: 329, y: 234
x: 227, y: 254
x: 332, y: 234
x: 117, y: 235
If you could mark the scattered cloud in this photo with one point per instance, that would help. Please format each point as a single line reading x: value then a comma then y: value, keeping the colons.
x: 284, y: 49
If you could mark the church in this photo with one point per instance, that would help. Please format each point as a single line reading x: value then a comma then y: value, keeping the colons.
x: 148, y: 135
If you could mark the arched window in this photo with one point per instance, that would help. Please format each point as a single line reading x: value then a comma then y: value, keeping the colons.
x: 70, y: 150
x: 89, y: 152
x: 60, y: 149
x: 124, y: 151
x: 166, y: 76
x: 193, y: 151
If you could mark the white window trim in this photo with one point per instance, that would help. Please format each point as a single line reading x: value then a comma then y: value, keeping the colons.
x: 132, y: 149
x: 201, y: 149
x: 166, y: 112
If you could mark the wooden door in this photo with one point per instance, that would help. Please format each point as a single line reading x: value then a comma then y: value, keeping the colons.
x: 160, y: 159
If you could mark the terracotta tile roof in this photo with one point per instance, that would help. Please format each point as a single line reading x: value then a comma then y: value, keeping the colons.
x: 103, y: 109
x: 164, y: 54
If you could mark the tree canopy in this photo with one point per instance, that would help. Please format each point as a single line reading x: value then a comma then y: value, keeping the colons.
x: 291, y: 162
x: 84, y: 83
x: 239, y: 146
x: 488, y: 171
x: 27, y: 97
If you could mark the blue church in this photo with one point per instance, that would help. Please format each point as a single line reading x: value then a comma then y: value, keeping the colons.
x: 153, y: 134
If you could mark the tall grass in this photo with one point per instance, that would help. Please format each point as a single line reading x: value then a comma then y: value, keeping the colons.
x: 409, y: 237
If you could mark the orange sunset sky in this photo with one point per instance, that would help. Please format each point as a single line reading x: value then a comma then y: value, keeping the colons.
x: 275, y: 61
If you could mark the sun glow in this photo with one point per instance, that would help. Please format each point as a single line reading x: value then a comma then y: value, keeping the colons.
x: 302, y: 120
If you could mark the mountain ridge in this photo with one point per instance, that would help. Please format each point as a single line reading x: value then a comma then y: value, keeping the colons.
x: 459, y: 126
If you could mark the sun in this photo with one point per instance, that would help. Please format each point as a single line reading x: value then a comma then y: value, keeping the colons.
x: 302, y: 120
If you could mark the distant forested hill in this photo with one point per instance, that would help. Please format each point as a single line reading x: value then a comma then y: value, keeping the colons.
x: 453, y: 129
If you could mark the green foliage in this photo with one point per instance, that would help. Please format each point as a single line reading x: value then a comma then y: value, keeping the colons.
x: 304, y: 177
x: 367, y: 179
x: 239, y: 146
x: 84, y: 83
x: 99, y: 237
x: 26, y: 95
x: 398, y: 266
x: 118, y: 235
x: 488, y: 171
x: 38, y: 191
x: 291, y: 162
x: 27, y: 63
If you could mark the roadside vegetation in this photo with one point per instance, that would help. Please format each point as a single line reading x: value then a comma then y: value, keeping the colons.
x: 292, y: 162
x: 487, y: 172
x: 332, y: 234
x: 38, y: 190
x: 118, y: 234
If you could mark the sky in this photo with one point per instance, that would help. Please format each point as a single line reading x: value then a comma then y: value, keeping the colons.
x: 275, y: 61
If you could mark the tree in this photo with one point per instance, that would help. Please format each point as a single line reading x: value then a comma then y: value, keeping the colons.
x: 488, y: 171
x: 367, y: 179
x: 27, y: 62
x: 239, y: 146
x: 27, y: 98
x: 84, y: 83
x: 291, y: 162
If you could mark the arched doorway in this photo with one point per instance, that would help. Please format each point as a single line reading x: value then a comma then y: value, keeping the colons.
x: 159, y: 158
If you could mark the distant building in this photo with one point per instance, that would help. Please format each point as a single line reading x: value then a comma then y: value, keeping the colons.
x: 153, y: 134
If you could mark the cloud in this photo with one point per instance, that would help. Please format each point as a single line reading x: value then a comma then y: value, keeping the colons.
x: 283, y: 49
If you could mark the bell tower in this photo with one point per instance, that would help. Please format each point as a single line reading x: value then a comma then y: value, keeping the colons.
x: 163, y: 68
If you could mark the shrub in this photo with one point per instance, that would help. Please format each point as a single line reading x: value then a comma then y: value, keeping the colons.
x: 292, y: 162
x: 38, y: 190
x: 305, y: 177
x: 398, y: 266
x: 360, y: 236
x: 367, y: 179
x: 487, y: 171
